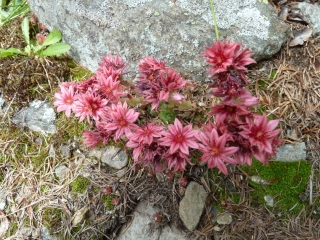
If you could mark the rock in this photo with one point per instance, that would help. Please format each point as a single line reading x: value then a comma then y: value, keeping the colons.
x: 39, y: 117
x: 269, y: 200
x: 173, y: 31
x: 4, y: 224
x: 140, y: 226
x: 192, y: 204
x: 3, y: 199
x: 80, y: 216
x: 45, y: 234
x: 224, y: 219
x: 114, y: 157
x: 61, y: 171
x: 97, y: 153
x: 66, y: 151
x: 292, y: 152
x: 311, y: 13
x: 2, y: 101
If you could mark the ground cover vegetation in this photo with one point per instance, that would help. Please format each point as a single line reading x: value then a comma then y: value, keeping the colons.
x: 152, y: 111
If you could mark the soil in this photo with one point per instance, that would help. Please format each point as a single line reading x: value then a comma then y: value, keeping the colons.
x: 290, y: 92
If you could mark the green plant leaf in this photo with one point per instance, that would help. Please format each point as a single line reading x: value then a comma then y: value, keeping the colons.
x: 25, y: 30
x: 6, y: 54
x: 11, y: 50
x: 55, y: 49
x: 54, y: 37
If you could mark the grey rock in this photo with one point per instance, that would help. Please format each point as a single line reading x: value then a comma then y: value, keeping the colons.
x: 97, y: 153
x: 66, y: 150
x: 292, y: 152
x: 172, y: 31
x: 3, y: 199
x: 224, y: 219
x: 45, y: 234
x: 80, y: 216
x: 140, y: 226
x: 39, y: 117
x: 61, y: 171
x: 2, y: 101
x: 192, y: 204
x: 4, y: 225
x: 269, y: 200
x: 311, y: 13
x: 114, y: 157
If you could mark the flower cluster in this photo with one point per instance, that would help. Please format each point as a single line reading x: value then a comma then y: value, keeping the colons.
x: 233, y: 136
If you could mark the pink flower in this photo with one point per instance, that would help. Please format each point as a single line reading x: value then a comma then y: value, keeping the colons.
x: 177, y: 161
x: 179, y: 138
x: 228, y: 111
x: 116, y: 63
x: 220, y: 55
x: 261, y: 133
x: 242, y: 58
x: 146, y: 133
x: 122, y: 120
x: 149, y: 68
x: 92, y: 139
x: 86, y: 84
x: 89, y: 105
x: 215, y: 152
x: 109, y: 87
x: 243, y: 98
x: 65, y: 99
x: 177, y: 97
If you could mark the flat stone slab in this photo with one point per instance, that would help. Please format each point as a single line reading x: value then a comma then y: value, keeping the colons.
x: 173, y: 31
x: 114, y: 157
x: 292, y: 152
x: 39, y: 117
x: 192, y: 205
x: 311, y: 13
x: 140, y: 226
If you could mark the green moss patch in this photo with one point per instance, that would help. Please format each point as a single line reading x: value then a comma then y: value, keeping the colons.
x: 80, y: 184
x: 287, y: 181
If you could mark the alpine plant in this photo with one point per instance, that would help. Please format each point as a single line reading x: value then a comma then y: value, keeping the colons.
x: 234, y: 134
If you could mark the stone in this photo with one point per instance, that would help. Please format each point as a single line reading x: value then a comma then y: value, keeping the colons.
x: 39, y: 117
x: 2, y: 101
x: 140, y: 226
x: 80, y: 215
x: 3, y: 199
x: 114, y: 157
x: 224, y: 219
x: 4, y: 224
x: 61, y: 171
x: 311, y: 13
x: 65, y: 150
x: 173, y: 31
x: 97, y: 153
x: 192, y: 205
x: 292, y: 152
x: 45, y: 234
x: 269, y: 200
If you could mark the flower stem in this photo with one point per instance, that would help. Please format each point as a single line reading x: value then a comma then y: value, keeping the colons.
x: 214, y: 20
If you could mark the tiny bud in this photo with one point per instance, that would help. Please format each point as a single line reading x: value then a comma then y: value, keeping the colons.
x: 106, y: 190
x: 115, y: 201
x: 183, y: 182
x: 150, y: 172
x: 157, y: 218
x: 170, y: 176
x: 182, y: 191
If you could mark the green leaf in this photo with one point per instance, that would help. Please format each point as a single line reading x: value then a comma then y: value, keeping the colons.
x: 56, y: 49
x: 11, y: 50
x: 25, y: 30
x: 54, y: 37
x: 6, y: 54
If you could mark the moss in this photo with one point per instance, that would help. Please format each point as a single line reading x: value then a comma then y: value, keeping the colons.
x: 288, y: 180
x: 80, y: 184
x: 13, y: 229
x: 52, y: 218
x: 167, y: 115
x: 107, y: 199
x: 78, y: 72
